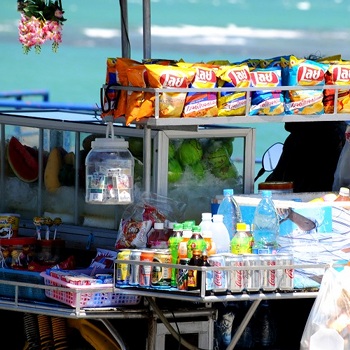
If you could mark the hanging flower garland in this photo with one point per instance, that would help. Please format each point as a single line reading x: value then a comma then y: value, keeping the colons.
x: 41, y: 20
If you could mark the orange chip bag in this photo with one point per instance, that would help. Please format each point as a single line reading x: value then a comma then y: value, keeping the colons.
x: 159, y: 76
x: 233, y: 103
x: 337, y: 74
x: 139, y: 104
x: 121, y: 66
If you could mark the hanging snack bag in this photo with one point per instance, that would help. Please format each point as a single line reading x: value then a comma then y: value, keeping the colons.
x: 337, y: 74
x: 140, y: 104
x: 266, y: 102
x: 171, y: 104
x: 305, y: 72
x: 231, y: 103
x: 202, y: 104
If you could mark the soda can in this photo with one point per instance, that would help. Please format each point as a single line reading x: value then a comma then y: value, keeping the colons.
x: 134, y: 278
x: 123, y: 270
x: 268, y: 276
x: 285, y: 274
x: 161, y: 276
x: 235, y: 282
x: 219, y: 274
x: 182, y: 275
x: 146, y: 270
x: 252, y: 277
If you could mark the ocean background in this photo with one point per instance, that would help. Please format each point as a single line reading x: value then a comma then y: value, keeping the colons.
x: 194, y: 30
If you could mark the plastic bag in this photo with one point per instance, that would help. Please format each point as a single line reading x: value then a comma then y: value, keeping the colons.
x: 328, y: 324
x: 342, y: 171
x: 139, y: 217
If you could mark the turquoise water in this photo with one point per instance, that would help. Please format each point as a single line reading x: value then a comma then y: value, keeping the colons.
x: 195, y: 30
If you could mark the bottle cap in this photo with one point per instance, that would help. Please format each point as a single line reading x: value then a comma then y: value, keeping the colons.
x: 108, y: 143
x: 196, y: 228
x: 241, y: 226
x: 158, y: 225
x: 228, y: 192
x: 344, y: 191
x: 178, y: 227
x: 206, y: 216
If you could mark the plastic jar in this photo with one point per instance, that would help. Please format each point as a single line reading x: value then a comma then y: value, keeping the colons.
x: 109, y: 172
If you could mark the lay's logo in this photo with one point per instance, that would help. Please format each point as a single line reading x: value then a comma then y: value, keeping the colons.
x: 173, y: 81
x: 310, y: 75
x: 205, y: 75
x: 239, y: 76
x: 341, y: 74
x: 264, y: 78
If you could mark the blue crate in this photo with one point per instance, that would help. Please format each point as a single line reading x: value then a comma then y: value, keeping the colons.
x: 25, y: 293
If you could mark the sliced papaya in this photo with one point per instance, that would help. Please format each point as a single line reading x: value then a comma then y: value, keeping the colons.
x: 23, y: 162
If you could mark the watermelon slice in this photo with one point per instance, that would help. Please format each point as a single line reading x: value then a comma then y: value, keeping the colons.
x: 22, y: 161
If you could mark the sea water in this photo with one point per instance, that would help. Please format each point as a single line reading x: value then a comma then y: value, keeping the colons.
x: 194, y: 30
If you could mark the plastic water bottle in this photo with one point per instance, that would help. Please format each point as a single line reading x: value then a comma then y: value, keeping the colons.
x: 265, y: 225
x: 220, y: 234
x: 229, y: 208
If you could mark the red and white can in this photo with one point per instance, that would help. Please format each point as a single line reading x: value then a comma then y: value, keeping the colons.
x: 285, y: 274
x: 252, y: 276
x: 219, y: 274
x: 268, y: 276
x: 235, y: 282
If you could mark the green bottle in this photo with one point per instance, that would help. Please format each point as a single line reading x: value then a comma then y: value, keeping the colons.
x: 242, y: 241
x: 174, y: 241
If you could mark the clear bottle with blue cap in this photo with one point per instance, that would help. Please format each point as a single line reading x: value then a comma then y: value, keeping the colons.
x: 265, y: 225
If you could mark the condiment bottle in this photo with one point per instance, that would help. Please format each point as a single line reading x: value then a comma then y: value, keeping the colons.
x: 210, y: 244
x: 195, y: 276
x: 173, y: 242
x: 196, y: 242
x: 186, y: 235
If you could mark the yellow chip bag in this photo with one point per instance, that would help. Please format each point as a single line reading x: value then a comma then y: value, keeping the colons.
x: 171, y: 104
x: 232, y: 103
x: 202, y: 104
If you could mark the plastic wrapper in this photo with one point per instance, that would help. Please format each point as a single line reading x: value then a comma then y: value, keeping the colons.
x: 139, y: 217
x: 328, y: 323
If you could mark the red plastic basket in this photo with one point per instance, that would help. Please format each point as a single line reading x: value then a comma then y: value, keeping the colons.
x: 84, y: 296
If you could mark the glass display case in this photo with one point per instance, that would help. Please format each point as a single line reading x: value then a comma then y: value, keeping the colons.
x: 43, y: 165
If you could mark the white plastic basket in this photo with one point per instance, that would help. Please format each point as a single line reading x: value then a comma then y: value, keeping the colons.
x: 84, y: 297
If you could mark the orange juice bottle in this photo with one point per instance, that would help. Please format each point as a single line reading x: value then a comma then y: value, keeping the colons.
x: 186, y: 235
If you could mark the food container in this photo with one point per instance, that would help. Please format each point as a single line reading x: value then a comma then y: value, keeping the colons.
x: 9, y: 224
x: 17, y: 252
x: 276, y: 187
x: 109, y: 172
x: 50, y: 251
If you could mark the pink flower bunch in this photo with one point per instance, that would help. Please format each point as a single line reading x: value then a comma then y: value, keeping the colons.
x: 33, y: 32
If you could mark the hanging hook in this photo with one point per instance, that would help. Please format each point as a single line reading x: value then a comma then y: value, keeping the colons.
x: 110, y: 130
